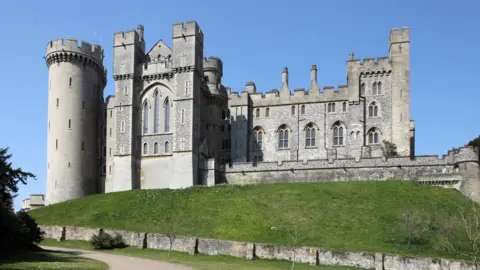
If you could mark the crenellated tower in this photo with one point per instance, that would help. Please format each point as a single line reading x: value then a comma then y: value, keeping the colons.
x: 400, y: 61
x: 128, y: 54
x: 77, y: 78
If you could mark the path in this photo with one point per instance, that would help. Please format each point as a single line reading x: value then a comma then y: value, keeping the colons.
x: 120, y: 262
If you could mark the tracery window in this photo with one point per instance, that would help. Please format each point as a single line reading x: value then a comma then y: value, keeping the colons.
x: 283, y: 132
x: 373, y: 136
x: 310, y: 135
x: 331, y: 107
x: 373, y: 109
x: 258, y: 138
x: 337, y: 134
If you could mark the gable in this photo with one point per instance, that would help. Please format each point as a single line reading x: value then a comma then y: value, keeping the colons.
x: 159, y: 51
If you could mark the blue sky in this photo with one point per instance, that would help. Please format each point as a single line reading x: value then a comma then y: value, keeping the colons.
x: 255, y: 39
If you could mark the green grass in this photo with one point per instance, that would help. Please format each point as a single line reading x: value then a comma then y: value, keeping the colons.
x: 43, y: 260
x: 197, y: 261
x: 356, y: 216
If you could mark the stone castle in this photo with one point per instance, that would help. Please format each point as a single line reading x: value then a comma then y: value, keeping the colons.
x: 173, y: 124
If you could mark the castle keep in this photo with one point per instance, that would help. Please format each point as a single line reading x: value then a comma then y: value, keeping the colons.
x: 173, y: 124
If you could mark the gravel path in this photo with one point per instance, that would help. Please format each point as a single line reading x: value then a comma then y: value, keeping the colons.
x: 120, y: 262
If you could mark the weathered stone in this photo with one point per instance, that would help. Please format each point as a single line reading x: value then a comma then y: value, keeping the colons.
x: 80, y: 233
x: 271, y: 252
x: 53, y: 232
x: 134, y: 239
x: 222, y: 247
x: 181, y: 244
x: 354, y: 259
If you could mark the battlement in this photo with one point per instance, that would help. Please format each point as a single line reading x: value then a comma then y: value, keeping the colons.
x: 72, y: 45
x: 213, y: 63
x: 190, y: 28
x: 372, y: 64
x: 399, y: 35
x: 129, y: 37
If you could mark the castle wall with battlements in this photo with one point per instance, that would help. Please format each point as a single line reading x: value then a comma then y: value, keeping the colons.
x: 172, y: 123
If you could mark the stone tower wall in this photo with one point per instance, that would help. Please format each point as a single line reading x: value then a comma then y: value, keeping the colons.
x: 75, y: 97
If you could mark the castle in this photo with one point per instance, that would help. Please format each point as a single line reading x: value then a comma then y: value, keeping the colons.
x: 173, y: 124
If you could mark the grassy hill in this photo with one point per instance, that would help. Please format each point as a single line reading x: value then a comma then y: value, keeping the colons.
x: 337, y: 215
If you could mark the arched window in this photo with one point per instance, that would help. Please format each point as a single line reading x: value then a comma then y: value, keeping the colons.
x: 373, y: 136
x: 167, y: 147
x: 362, y: 89
x: 257, y: 138
x: 156, y: 112
x: 374, y: 89
x: 373, y: 109
x: 267, y: 112
x: 303, y: 109
x: 155, y: 148
x: 344, y: 106
x: 331, y: 107
x: 257, y: 112
x: 310, y: 135
x: 58, y: 102
x: 145, y: 148
x: 337, y: 134
x: 293, y: 110
x: 283, y: 137
x: 145, y: 117
x: 379, y: 88
x: 167, y: 114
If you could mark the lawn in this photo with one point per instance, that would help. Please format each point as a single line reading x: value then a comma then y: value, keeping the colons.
x: 355, y: 216
x: 43, y: 260
x: 197, y: 261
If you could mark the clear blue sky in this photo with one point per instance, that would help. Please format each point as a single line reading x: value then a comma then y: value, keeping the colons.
x: 255, y: 40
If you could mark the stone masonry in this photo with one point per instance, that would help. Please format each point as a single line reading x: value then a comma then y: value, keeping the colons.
x: 171, y: 122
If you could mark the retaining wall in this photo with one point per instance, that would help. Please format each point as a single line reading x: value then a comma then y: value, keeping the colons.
x: 249, y: 251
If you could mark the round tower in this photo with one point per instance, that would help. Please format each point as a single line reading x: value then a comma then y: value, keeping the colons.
x: 213, y: 71
x: 77, y: 78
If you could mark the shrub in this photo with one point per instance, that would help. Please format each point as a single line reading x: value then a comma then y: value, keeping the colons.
x: 29, y: 232
x: 105, y: 241
x: 18, y: 231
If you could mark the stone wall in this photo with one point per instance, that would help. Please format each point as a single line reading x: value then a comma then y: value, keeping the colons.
x: 249, y: 251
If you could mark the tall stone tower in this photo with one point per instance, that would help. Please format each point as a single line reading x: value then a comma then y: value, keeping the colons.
x: 77, y: 78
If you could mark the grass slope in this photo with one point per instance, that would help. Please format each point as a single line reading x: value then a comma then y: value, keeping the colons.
x: 47, y: 260
x: 335, y: 215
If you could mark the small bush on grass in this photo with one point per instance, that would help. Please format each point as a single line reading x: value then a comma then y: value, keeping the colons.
x: 105, y: 241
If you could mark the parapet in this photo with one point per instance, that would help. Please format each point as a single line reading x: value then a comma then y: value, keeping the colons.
x: 71, y: 45
x: 190, y: 28
x: 400, y: 35
x: 213, y: 63
x: 372, y: 65
x: 129, y: 37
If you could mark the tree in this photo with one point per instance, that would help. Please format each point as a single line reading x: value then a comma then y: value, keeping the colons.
x: 10, y: 178
x: 474, y: 142
x: 389, y: 149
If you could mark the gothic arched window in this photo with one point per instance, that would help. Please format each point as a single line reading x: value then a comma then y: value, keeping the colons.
x: 145, y: 117
x: 283, y: 137
x: 373, y: 109
x: 293, y: 110
x: 379, y: 88
x: 374, y: 89
x: 362, y: 89
x: 156, y: 111
x: 167, y: 147
x: 373, y: 136
x: 145, y: 148
x: 258, y: 138
x: 310, y: 135
x: 303, y: 110
x: 155, y: 148
x: 257, y: 112
x: 337, y: 134
x: 267, y: 112
x: 167, y: 114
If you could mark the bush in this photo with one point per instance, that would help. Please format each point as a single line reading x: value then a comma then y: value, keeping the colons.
x: 18, y: 231
x: 29, y: 232
x: 105, y: 241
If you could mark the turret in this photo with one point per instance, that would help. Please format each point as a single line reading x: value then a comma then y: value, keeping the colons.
x: 213, y: 72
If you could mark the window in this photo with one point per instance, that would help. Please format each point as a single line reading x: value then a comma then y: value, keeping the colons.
x: 373, y: 109
x: 167, y: 147
x: 331, y: 107
x: 48, y: 125
x: 182, y: 117
x: 187, y: 88
x: 310, y: 135
x: 337, y: 134
x: 58, y: 102
x: 56, y: 144
x: 145, y: 117
x: 104, y: 151
x: 122, y: 127
x: 362, y: 89
x: 229, y: 128
x: 257, y: 138
x: 110, y: 132
x: 344, y: 106
x: 267, y: 112
x: 257, y: 113
x: 69, y: 123
x: 110, y: 169
x: 155, y: 148
x: 283, y: 137
x: 223, y: 115
x: 70, y: 82
x: 156, y: 112
x: 109, y: 151
x: 374, y: 89
x: 83, y: 145
x: 126, y: 90
x: 110, y: 113
x: 373, y: 136
x: 83, y: 105
x: 103, y: 170
x: 303, y: 110
x: 167, y: 114
x: 293, y: 110
x: 222, y: 128
x: 379, y: 88
x: 145, y: 148
x: 228, y: 113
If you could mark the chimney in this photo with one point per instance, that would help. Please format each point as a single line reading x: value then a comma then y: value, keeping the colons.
x: 285, y: 77
x: 313, y: 73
